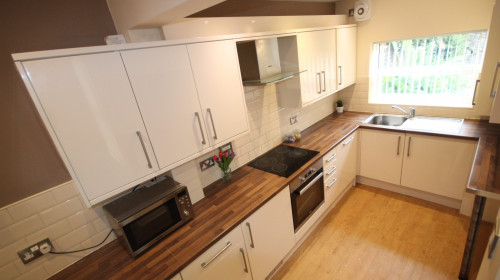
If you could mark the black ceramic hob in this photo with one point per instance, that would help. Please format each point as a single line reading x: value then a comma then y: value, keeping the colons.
x: 283, y: 160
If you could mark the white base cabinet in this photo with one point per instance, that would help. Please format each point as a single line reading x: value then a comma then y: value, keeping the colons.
x: 439, y: 165
x: 381, y: 155
x: 227, y: 259
x: 253, y: 249
x: 269, y: 234
x: 339, y: 168
x: 434, y: 164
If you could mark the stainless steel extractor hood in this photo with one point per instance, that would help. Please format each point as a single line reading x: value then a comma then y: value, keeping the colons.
x: 260, y: 62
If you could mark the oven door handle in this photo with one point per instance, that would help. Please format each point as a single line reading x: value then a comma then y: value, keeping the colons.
x: 319, y: 176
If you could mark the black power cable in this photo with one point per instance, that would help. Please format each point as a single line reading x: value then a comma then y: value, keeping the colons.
x: 69, y: 252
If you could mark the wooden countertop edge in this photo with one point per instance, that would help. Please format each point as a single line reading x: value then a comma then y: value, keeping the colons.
x: 354, y: 125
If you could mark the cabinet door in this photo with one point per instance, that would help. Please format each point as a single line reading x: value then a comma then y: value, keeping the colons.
x: 93, y: 113
x: 269, y: 234
x: 218, y: 81
x: 165, y: 90
x: 381, y: 155
x: 439, y: 165
x: 346, y: 56
x: 227, y: 259
x: 348, y: 160
x: 316, y: 51
x: 331, y: 171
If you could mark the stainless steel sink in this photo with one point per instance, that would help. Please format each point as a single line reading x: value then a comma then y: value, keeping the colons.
x: 419, y: 123
x: 389, y: 120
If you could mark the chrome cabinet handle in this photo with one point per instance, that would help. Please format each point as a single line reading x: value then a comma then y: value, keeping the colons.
x: 319, y: 83
x: 251, y: 236
x: 213, y: 125
x: 409, y: 142
x: 333, y: 182
x: 201, y: 130
x: 340, y: 75
x: 493, y: 246
x: 205, y: 264
x: 331, y: 171
x: 493, y: 92
x: 474, y: 95
x: 399, y: 140
x: 320, y: 175
x: 334, y: 155
x: 244, y: 260
x: 324, y: 80
x: 346, y: 143
x: 144, y: 149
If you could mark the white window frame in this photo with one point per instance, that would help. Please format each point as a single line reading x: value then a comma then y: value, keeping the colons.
x: 460, y: 99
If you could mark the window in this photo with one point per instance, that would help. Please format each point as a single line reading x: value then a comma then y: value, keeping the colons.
x: 433, y: 71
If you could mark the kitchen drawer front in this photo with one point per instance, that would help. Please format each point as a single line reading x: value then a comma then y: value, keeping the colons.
x: 227, y: 259
x: 331, y: 159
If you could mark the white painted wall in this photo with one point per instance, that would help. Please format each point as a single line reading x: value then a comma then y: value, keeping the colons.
x: 402, y: 19
x: 203, y: 27
x: 129, y: 14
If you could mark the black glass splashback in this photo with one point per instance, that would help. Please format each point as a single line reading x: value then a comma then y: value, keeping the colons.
x: 283, y: 160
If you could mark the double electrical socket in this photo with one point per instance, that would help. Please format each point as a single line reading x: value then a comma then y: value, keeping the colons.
x: 35, y: 251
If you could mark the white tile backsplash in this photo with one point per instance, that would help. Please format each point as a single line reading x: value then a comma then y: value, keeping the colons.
x: 9, y: 272
x: 61, y: 211
x: 59, y: 216
x: 31, y: 206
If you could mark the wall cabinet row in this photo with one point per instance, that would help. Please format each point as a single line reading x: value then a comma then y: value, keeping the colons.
x: 118, y: 118
x: 327, y: 61
x: 434, y: 164
x: 253, y: 249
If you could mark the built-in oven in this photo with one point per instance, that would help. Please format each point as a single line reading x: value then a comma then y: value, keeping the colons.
x: 307, y: 194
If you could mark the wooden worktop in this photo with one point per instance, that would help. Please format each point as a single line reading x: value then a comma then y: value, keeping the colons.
x: 227, y: 205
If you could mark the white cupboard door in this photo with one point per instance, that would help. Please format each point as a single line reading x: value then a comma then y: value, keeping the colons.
x: 165, y: 90
x: 348, y: 163
x: 316, y: 51
x: 381, y: 155
x: 269, y: 234
x: 346, y: 56
x: 217, y: 75
x: 226, y: 259
x: 93, y: 113
x: 439, y: 165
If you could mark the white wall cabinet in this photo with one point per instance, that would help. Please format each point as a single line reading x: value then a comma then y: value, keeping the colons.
x: 120, y: 118
x: 165, y: 90
x: 227, y: 259
x: 90, y: 110
x: 381, y: 155
x: 218, y: 82
x: 434, y: 164
x: 317, y: 55
x: 346, y: 56
x: 269, y: 234
x: 439, y: 165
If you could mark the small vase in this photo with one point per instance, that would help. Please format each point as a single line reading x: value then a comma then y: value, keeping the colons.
x: 226, y: 175
x: 340, y: 109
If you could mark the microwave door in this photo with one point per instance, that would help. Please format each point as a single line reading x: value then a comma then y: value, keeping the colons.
x: 146, y: 228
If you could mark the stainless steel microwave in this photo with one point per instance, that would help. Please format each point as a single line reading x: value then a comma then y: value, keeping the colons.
x: 149, y: 213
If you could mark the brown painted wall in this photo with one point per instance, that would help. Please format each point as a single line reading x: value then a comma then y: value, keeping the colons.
x: 29, y: 162
x: 243, y: 8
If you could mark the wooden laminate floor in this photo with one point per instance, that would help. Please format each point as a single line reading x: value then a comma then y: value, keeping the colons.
x: 377, y: 234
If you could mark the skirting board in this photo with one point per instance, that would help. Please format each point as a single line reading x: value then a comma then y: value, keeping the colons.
x: 446, y: 201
